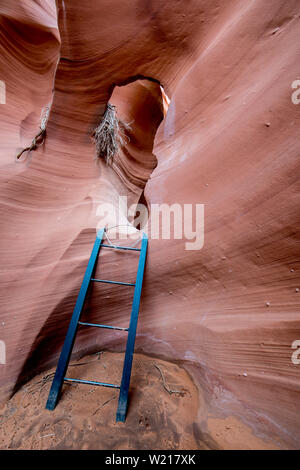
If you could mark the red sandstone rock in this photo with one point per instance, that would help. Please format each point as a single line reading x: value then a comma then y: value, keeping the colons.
x: 228, y: 71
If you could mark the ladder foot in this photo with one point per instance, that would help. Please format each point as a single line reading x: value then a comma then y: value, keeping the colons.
x: 120, y: 418
x: 51, y: 403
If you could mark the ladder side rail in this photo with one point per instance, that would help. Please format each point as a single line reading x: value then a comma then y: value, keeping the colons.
x: 72, y: 330
x: 124, y: 388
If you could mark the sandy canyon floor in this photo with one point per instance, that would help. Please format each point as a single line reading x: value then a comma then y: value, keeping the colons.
x: 162, y: 413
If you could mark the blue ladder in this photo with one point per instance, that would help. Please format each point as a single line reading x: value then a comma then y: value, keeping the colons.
x: 59, y: 377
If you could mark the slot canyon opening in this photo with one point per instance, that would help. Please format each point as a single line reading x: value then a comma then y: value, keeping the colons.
x: 143, y: 104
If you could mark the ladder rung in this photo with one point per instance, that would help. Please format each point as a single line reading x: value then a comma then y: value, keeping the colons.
x: 114, y: 282
x: 120, y: 247
x: 103, y: 326
x: 91, y: 382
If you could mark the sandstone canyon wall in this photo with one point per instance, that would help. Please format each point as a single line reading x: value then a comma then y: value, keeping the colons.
x: 230, y: 140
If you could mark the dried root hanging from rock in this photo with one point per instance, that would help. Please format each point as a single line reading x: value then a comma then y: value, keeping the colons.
x: 40, y: 136
x: 110, y: 135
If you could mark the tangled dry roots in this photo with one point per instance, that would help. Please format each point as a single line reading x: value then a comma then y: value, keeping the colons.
x: 110, y: 135
x: 39, y: 139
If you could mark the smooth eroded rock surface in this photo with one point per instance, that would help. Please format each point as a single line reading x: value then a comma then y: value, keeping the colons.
x: 230, y: 141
